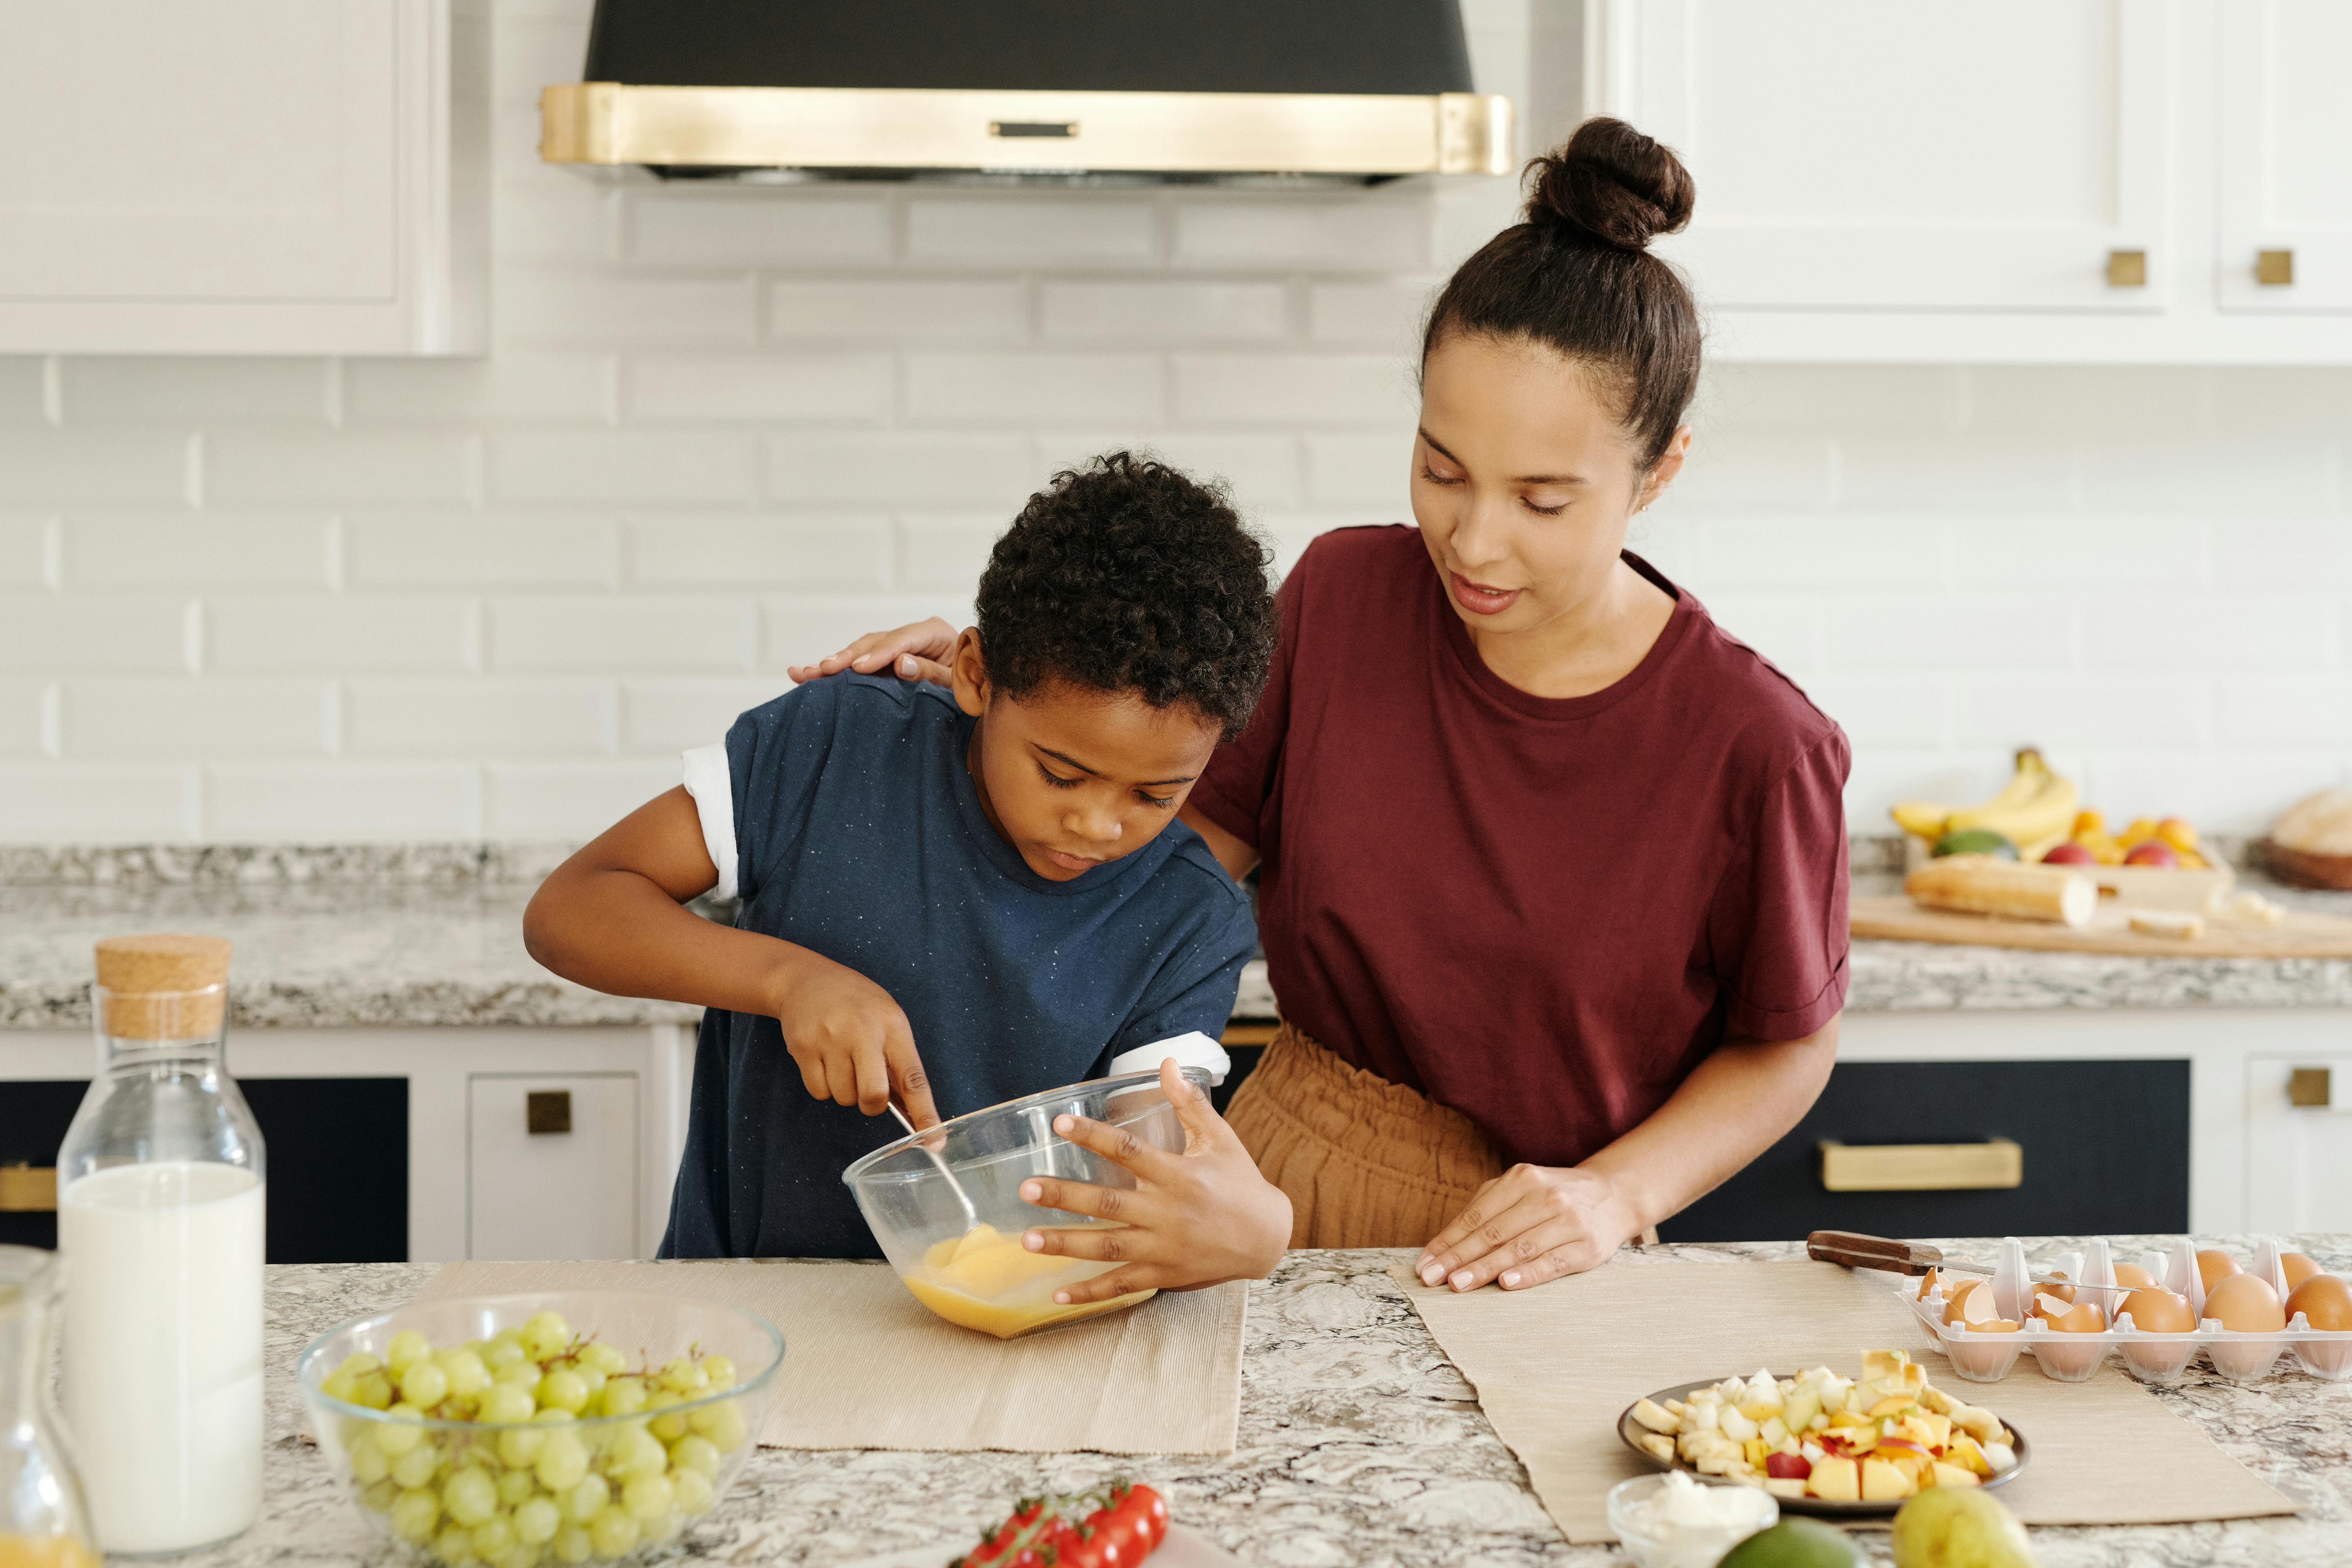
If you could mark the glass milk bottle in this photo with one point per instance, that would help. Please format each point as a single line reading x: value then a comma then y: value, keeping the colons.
x: 160, y: 1200
x: 43, y: 1519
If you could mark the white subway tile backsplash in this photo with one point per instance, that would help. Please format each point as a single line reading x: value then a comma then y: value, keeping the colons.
x: 23, y: 726
x: 1384, y: 315
x: 1837, y: 552
x: 757, y: 228
x: 1169, y: 312
x: 91, y: 632
x: 25, y: 550
x: 2000, y: 551
x: 54, y: 803
x: 341, y: 635
x: 106, y: 387
x: 130, y: 464
x: 770, y: 551
x: 946, y: 553
x: 647, y: 633
x: 2103, y: 404
x: 1949, y: 631
x: 2287, y: 632
x: 540, y: 801
x: 2274, y: 552
x: 1907, y: 710
x: 207, y: 549
x: 1261, y: 470
x: 468, y: 718
x: 1305, y: 390
x: 897, y: 310
x: 215, y: 716
x: 563, y: 219
x: 810, y: 388
x: 669, y: 716
x: 1081, y: 229
x: 1749, y: 475
x: 2245, y: 473
x: 1361, y: 470
x: 462, y: 550
x: 1373, y: 233
x: 2282, y: 400
x: 2283, y: 708
x: 541, y: 308
x: 1958, y: 473
x: 1784, y: 627
x: 256, y: 467
x: 341, y: 803
x: 2242, y: 791
x: 1008, y: 388
x: 1828, y: 401
x: 803, y: 630
x: 531, y: 53
x: 865, y: 469
x: 619, y: 467
x: 516, y: 385
x: 2082, y: 710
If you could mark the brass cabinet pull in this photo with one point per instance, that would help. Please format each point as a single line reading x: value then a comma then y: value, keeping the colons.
x: 28, y: 1189
x: 2127, y: 269
x: 547, y: 1110
x: 2274, y: 268
x: 2308, y: 1087
x: 1921, y: 1167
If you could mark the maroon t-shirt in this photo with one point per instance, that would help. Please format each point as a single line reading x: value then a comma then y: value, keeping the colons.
x: 1542, y: 912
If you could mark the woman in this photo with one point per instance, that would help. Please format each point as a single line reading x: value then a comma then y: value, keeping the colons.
x: 1552, y: 870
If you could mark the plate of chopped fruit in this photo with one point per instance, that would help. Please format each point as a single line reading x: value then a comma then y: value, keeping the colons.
x: 1823, y: 1444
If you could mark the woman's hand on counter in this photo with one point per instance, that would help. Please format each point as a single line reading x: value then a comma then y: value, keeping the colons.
x: 1532, y: 1224
x: 1194, y: 1219
x: 917, y: 652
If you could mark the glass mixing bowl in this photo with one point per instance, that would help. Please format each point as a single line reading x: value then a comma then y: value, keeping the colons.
x: 946, y: 1203
x: 460, y: 1492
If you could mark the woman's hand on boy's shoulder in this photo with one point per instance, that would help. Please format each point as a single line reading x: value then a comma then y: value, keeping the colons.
x: 917, y: 652
x: 1194, y: 1219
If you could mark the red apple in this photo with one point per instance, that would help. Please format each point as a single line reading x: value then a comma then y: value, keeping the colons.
x: 1788, y: 1466
x: 2069, y: 854
x: 2153, y: 852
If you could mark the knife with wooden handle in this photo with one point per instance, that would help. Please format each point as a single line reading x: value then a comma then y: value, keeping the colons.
x: 1851, y: 1249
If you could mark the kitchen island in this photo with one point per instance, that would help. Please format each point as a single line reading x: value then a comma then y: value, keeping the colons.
x: 1359, y: 1444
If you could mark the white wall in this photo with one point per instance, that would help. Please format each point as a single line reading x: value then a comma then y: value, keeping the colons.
x: 270, y: 600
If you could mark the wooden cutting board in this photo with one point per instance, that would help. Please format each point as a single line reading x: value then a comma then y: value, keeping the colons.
x: 2299, y: 936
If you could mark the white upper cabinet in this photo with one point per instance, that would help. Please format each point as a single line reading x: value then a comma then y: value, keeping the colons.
x: 2020, y: 181
x: 2286, y: 156
x: 273, y: 177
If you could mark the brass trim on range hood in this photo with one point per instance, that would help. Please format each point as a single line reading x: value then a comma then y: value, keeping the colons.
x: 1367, y: 136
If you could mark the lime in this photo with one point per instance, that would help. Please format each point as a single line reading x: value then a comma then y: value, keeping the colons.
x: 1976, y: 841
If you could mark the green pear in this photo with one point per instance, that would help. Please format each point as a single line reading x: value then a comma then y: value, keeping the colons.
x: 1796, y: 1543
x: 1960, y: 1527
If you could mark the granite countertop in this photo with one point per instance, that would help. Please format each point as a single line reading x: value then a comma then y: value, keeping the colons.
x: 1360, y: 1444
x: 433, y: 935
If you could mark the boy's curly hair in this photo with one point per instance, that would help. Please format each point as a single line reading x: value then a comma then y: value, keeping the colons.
x: 1127, y: 575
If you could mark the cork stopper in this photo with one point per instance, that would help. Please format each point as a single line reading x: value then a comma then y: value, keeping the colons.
x: 147, y: 979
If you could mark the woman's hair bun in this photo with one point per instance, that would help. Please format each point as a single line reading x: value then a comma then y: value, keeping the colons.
x: 1614, y: 184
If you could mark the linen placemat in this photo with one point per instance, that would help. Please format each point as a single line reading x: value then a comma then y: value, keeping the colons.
x: 1554, y: 1365
x: 865, y: 1366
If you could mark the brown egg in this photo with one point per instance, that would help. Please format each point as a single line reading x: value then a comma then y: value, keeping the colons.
x: 2325, y: 1301
x: 2064, y: 1292
x: 2155, y: 1312
x: 2297, y: 1268
x: 2214, y: 1264
x: 2085, y: 1319
x: 1955, y: 1308
x: 2132, y: 1277
x: 1927, y: 1286
x: 2245, y: 1304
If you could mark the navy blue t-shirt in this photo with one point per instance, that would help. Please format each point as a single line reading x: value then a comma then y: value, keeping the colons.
x: 860, y: 836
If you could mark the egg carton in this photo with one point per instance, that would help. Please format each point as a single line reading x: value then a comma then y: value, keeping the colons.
x: 1981, y: 1357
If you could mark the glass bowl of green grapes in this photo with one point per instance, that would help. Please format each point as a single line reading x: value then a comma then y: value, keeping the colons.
x: 566, y: 1426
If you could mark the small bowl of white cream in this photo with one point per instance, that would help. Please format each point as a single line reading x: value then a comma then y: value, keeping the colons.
x: 1672, y: 1521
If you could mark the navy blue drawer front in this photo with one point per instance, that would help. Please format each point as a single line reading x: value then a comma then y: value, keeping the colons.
x: 338, y: 1161
x: 2105, y: 1151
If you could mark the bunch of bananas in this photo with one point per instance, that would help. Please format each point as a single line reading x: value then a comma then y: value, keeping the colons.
x: 2034, y: 810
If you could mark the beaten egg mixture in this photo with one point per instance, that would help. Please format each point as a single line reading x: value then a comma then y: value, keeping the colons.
x: 986, y: 1279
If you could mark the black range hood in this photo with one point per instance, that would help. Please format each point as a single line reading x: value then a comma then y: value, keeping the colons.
x: 1028, y: 90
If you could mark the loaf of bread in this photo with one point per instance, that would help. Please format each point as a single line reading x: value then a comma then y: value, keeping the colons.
x: 1984, y: 885
x: 2318, y: 825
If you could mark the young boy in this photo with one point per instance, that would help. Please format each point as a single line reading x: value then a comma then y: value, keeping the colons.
x: 953, y: 898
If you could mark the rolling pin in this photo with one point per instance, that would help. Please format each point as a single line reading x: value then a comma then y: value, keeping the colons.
x: 1981, y: 884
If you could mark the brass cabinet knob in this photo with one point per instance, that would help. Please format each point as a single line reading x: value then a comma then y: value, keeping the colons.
x: 2127, y: 269
x: 547, y: 1110
x: 2310, y: 1088
x: 27, y: 1189
x: 2274, y: 268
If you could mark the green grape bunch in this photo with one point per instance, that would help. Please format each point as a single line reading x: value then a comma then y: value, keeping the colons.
x: 525, y: 1481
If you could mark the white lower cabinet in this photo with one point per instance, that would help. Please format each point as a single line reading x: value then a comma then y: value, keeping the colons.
x: 551, y: 1166
x: 2299, y: 1141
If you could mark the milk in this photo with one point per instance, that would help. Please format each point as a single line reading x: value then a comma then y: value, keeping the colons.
x: 163, y: 1350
